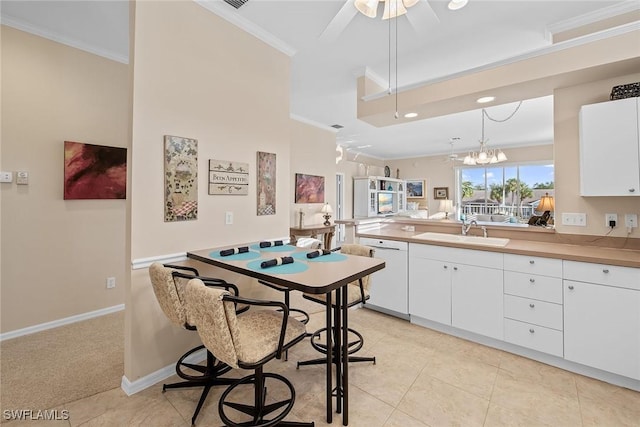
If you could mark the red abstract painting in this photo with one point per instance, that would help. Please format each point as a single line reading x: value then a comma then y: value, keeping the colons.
x: 94, y: 171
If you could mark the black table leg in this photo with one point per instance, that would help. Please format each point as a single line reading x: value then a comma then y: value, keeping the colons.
x: 338, y: 350
x: 329, y: 362
x: 345, y: 357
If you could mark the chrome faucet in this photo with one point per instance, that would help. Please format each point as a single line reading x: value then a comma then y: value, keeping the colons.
x: 466, y: 227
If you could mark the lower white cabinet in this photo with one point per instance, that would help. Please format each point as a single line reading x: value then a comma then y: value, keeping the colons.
x: 458, y: 287
x: 602, y: 327
x: 477, y: 301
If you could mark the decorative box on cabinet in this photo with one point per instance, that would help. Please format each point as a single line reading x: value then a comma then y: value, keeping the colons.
x: 602, y: 317
x: 609, y: 148
x: 533, y: 315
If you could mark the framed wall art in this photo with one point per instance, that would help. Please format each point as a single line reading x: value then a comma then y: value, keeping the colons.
x: 440, y: 193
x: 309, y: 188
x: 227, y: 177
x: 180, y: 178
x: 266, y: 190
x: 94, y: 171
x: 415, y: 189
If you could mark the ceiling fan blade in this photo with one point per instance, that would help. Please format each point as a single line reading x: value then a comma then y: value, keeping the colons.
x: 339, y: 22
x: 422, y: 17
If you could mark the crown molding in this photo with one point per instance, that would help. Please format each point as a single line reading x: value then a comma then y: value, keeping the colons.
x: 592, y: 17
x: 371, y: 75
x: 229, y: 14
x: 312, y: 123
x: 21, y: 25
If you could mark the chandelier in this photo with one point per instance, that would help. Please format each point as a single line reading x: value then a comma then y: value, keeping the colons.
x: 485, y: 155
x: 392, y: 8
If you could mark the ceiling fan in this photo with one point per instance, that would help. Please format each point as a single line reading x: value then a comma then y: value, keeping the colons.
x: 421, y: 15
x: 453, y: 157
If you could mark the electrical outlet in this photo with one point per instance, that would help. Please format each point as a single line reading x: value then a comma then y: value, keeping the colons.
x: 228, y: 218
x: 6, y: 176
x: 608, y: 218
x: 631, y: 220
x: 111, y: 282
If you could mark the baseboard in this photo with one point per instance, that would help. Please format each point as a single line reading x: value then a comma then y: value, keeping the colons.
x: 147, y: 381
x: 139, y: 263
x: 60, y: 322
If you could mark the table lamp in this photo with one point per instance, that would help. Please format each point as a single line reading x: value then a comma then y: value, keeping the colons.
x: 547, y: 206
x: 327, y: 211
x: 446, y: 206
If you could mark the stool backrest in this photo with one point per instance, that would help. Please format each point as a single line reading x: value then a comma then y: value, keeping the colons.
x: 215, y: 320
x: 169, y: 297
x: 359, y: 250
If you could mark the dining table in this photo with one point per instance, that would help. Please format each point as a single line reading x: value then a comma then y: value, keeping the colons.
x: 326, y: 274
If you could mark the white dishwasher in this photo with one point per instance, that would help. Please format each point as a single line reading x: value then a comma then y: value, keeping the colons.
x: 389, y: 287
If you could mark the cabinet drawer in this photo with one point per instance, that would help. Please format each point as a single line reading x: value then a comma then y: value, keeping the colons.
x: 534, y: 265
x: 533, y: 311
x: 610, y: 275
x: 532, y: 336
x: 542, y: 288
x: 478, y: 258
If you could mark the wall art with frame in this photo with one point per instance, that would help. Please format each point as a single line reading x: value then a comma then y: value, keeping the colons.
x: 227, y: 177
x: 309, y: 188
x: 180, y: 178
x: 440, y: 193
x: 94, y: 171
x: 415, y: 189
x: 266, y: 190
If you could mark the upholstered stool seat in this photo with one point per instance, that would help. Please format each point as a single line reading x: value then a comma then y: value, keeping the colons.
x: 248, y: 341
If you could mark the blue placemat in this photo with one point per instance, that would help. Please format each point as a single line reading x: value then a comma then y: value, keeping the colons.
x: 332, y: 257
x: 294, y: 267
x: 283, y: 248
x: 245, y: 256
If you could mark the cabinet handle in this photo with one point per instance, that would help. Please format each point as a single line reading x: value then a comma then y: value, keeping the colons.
x: 445, y: 267
x: 532, y: 280
x: 532, y: 305
x: 531, y: 330
x: 606, y: 270
x: 455, y: 268
x: 571, y: 287
x: 532, y: 261
x: 631, y: 190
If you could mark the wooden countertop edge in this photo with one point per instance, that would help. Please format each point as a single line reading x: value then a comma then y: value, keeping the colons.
x: 593, y: 254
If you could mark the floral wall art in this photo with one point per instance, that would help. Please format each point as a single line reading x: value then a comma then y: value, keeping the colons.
x: 94, y: 171
x: 309, y: 188
x: 266, y: 190
x: 181, y: 178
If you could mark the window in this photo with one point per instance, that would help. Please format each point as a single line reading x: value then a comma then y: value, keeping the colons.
x: 508, y: 193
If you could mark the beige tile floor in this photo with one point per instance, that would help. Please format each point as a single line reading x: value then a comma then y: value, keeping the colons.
x: 422, y: 378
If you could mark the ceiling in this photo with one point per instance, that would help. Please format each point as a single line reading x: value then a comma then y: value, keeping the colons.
x: 432, y: 43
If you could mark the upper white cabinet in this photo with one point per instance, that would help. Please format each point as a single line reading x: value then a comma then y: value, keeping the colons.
x: 610, y: 148
x: 378, y: 196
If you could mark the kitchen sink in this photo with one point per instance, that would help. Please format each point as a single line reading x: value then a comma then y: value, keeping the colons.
x: 468, y: 240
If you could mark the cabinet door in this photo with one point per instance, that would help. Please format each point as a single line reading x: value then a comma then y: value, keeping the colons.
x: 388, y: 286
x: 609, y: 147
x: 477, y: 300
x: 430, y: 289
x: 602, y: 327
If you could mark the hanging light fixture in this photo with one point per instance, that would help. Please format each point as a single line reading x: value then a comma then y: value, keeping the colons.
x: 485, y: 155
x: 392, y: 8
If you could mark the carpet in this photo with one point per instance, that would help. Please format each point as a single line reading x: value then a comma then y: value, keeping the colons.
x: 50, y: 368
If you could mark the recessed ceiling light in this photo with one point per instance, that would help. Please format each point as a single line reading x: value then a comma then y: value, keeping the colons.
x: 457, y: 4
x: 485, y: 99
x: 411, y: 115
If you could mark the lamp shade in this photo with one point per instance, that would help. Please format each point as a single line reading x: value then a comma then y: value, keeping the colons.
x: 546, y: 204
x: 326, y: 208
x: 368, y: 8
x: 446, y: 206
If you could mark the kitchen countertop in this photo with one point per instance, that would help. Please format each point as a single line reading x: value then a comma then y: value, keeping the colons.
x: 585, y: 253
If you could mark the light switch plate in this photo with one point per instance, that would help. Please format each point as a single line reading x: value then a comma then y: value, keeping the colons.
x: 6, y: 177
x: 574, y: 219
x: 22, y: 178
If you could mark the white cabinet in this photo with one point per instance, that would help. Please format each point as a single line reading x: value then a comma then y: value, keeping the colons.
x: 458, y: 287
x: 533, y: 303
x: 610, y: 148
x: 602, y: 317
x: 389, y: 287
x: 378, y: 196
